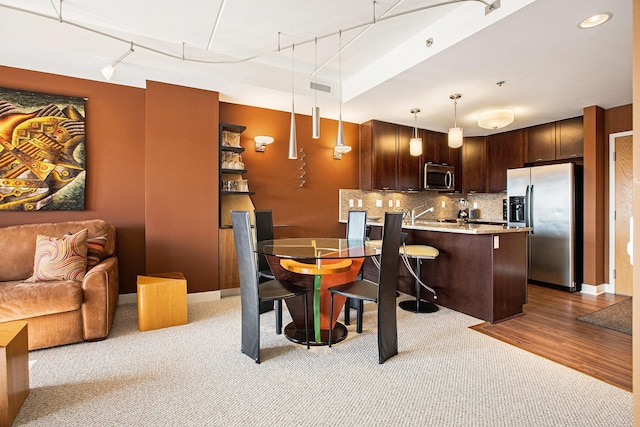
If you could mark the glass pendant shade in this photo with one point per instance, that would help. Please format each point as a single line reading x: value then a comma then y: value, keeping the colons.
x: 455, y: 137
x: 415, y: 146
x: 341, y: 147
x: 315, y: 122
x: 293, y: 143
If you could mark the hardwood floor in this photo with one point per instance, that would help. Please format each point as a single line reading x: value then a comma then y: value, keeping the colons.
x: 550, y: 329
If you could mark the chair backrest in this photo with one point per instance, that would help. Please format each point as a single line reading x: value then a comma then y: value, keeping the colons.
x: 357, y: 225
x: 248, y: 283
x: 388, y: 285
x: 264, y: 231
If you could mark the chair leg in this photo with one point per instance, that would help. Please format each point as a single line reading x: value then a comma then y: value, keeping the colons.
x: 347, y: 311
x: 306, y: 323
x: 359, y: 311
x: 278, y: 309
x: 330, y: 317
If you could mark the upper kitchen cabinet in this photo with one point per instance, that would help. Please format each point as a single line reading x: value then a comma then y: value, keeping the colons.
x: 385, y: 162
x: 474, y: 165
x: 504, y: 151
x: 570, y: 138
x: 554, y: 141
x: 449, y: 156
x: 540, y: 143
x: 430, y: 145
x: 409, y: 166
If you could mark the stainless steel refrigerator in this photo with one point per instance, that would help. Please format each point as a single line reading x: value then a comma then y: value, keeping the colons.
x: 546, y: 199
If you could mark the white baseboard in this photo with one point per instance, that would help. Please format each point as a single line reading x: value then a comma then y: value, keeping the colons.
x: 596, y: 290
x: 191, y: 298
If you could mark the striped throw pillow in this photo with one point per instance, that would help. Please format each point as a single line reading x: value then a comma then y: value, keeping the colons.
x: 60, y: 258
x: 95, y: 247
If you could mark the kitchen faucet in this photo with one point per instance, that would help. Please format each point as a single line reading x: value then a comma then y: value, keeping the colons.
x: 415, y: 216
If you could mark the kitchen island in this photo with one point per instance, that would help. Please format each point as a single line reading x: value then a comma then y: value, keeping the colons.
x: 481, y: 269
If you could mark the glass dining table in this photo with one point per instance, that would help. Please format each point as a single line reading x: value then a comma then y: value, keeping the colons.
x: 318, y: 264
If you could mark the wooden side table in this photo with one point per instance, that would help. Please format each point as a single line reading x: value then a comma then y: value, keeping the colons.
x: 14, y: 369
x: 162, y: 301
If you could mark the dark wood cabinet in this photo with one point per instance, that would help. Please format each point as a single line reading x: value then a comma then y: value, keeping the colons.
x: 554, y: 141
x: 570, y: 138
x: 474, y: 165
x: 449, y: 156
x: 409, y: 166
x: 385, y: 162
x: 430, y: 141
x: 384, y: 151
x: 504, y: 151
x: 540, y: 143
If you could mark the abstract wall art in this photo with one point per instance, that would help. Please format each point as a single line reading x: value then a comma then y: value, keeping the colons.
x: 42, y: 151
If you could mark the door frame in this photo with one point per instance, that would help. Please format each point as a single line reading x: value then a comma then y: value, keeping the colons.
x: 611, y: 286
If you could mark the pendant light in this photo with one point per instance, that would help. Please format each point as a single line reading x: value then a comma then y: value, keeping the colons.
x: 315, y: 111
x: 415, y: 144
x: 340, y: 148
x: 455, y: 133
x: 293, y: 143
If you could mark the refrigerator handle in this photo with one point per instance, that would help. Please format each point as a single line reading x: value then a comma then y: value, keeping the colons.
x: 526, y: 207
x: 530, y: 208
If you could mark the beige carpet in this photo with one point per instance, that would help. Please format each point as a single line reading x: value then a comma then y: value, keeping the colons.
x: 195, y: 375
x: 617, y: 316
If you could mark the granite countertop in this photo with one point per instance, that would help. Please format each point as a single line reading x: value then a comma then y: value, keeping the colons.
x: 447, y: 227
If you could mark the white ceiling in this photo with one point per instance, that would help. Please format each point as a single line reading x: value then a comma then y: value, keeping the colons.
x: 551, y: 69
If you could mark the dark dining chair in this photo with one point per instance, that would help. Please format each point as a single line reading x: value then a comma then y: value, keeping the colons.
x: 383, y: 293
x: 356, y: 230
x: 263, y: 220
x: 252, y: 293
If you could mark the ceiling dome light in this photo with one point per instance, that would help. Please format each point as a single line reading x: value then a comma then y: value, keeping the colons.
x: 495, y: 119
x: 595, y: 20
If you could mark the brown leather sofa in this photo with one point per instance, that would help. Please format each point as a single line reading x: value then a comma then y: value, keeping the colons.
x: 58, y: 312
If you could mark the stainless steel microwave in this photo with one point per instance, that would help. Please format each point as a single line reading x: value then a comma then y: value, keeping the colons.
x: 439, y: 177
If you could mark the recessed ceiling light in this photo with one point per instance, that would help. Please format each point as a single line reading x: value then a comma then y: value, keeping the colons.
x: 595, y: 20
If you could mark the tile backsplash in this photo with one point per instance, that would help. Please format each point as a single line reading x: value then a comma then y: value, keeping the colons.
x: 445, y: 205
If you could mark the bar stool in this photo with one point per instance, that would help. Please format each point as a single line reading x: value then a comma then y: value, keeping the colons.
x: 419, y: 253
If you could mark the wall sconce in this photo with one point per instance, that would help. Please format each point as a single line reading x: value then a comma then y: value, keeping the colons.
x: 495, y: 119
x: 262, y: 141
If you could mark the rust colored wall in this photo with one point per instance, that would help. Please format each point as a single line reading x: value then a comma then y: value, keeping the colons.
x: 181, y: 182
x: 594, y: 203
x: 311, y: 210
x: 115, y: 167
x: 618, y: 119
